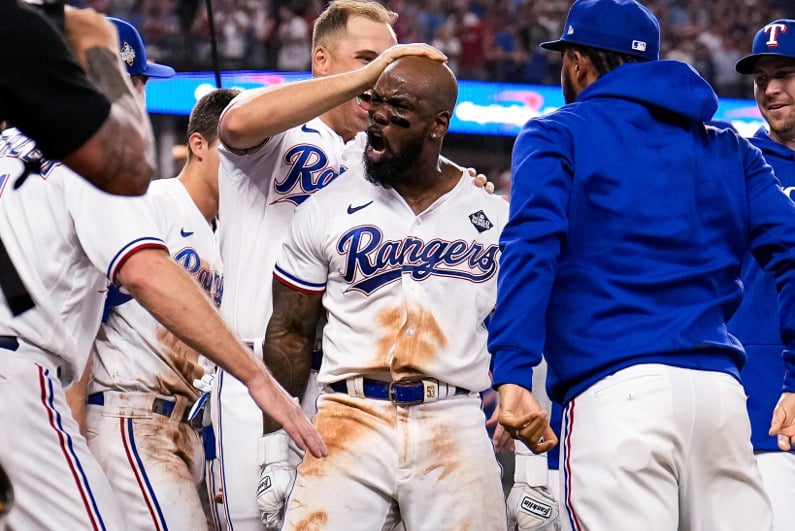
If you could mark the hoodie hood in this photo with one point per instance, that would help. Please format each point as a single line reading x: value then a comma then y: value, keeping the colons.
x: 673, y: 86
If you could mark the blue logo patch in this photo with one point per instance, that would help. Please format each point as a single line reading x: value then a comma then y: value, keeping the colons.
x: 480, y: 221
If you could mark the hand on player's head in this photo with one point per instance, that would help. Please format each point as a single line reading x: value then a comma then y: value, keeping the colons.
x: 397, y: 51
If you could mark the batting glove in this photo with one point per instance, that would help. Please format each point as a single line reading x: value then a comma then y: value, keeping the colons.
x: 276, y: 478
x: 530, y: 504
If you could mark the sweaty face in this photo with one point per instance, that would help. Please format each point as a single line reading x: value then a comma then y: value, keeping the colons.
x: 774, y: 89
x: 399, y: 127
x: 365, y: 40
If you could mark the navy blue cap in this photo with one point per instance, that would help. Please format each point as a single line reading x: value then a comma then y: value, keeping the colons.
x: 622, y: 26
x: 133, y: 52
x: 776, y: 39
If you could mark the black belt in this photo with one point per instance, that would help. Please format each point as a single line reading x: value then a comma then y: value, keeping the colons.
x: 401, y: 393
x: 317, y: 356
x: 161, y: 406
x: 9, y: 342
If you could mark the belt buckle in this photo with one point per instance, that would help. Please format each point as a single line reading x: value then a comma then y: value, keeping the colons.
x: 430, y: 392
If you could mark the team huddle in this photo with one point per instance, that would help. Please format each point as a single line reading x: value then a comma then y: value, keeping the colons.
x: 296, y: 332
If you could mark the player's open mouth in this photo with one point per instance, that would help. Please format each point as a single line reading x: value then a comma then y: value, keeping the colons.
x: 375, y: 141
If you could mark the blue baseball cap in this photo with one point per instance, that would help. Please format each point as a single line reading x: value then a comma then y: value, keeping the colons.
x: 776, y: 39
x: 622, y: 26
x: 133, y: 52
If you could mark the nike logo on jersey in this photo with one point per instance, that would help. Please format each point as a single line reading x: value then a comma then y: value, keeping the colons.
x: 185, y: 233
x: 353, y: 209
x: 306, y: 129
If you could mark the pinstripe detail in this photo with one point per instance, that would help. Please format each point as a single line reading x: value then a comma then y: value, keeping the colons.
x: 219, y: 439
x: 67, y: 448
x: 137, y: 467
x: 569, y: 416
x: 209, y: 478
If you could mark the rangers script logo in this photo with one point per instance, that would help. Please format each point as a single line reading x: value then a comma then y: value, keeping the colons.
x: 371, y: 262
x: 308, y: 172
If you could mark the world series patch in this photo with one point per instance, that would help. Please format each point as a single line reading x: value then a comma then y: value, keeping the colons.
x: 480, y: 221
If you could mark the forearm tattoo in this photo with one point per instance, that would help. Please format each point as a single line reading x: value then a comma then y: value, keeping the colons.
x: 103, y: 70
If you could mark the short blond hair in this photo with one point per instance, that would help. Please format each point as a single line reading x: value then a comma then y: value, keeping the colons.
x: 332, y: 23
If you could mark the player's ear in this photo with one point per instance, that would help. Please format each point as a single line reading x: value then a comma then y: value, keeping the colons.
x: 440, y: 124
x: 321, y: 59
x: 197, y: 145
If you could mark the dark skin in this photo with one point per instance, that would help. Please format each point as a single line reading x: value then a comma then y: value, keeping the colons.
x: 415, y: 97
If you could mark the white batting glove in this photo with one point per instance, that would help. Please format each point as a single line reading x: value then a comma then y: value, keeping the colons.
x: 530, y: 504
x: 276, y: 478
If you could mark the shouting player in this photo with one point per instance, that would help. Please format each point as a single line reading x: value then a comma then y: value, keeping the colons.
x: 402, y: 256
x: 280, y: 145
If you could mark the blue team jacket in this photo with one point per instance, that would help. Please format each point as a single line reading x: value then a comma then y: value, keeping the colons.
x: 756, y: 322
x: 629, y: 223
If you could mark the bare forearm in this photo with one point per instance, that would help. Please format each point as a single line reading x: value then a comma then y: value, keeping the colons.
x: 290, y: 336
x: 179, y: 304
x: 256, y: 115
x: 120, y: 156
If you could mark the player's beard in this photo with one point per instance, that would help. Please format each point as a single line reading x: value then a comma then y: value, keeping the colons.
x: 391, y: 170
x: 566, y: 83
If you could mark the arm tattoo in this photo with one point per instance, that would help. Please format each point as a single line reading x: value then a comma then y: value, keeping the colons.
x: 103, y: 70
x: 289, y: 339
x: 121, y: 160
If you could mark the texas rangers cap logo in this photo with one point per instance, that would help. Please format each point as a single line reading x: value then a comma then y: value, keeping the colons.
x: 127, y: 53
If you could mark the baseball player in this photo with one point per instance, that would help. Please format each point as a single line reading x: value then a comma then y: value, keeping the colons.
x: 66, y: 254
x: 772, y: 65
x: 138, y: 363
x: 402, y: 256
x: 630, y: 220
x: 279, y: 146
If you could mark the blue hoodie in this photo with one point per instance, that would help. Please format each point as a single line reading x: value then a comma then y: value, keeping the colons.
x: 629, y: 223
x: 756, y: 322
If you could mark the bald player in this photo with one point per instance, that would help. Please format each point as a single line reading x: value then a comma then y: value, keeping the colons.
x: 402, y: 256
x: 280, y: 145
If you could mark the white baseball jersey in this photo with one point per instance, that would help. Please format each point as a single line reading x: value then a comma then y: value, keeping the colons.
x: 135, y: 353
x: 136, y: 359
x: 259, y: 192
x: 405, y: 293
x: 67, y: 239
x: 258, y: 196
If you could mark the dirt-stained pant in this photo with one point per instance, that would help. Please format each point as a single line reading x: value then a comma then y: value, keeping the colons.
x: 153, y: 462
x: 431, y: 465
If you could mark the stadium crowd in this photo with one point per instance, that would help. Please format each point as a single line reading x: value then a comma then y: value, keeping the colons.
x: 494, y: 40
